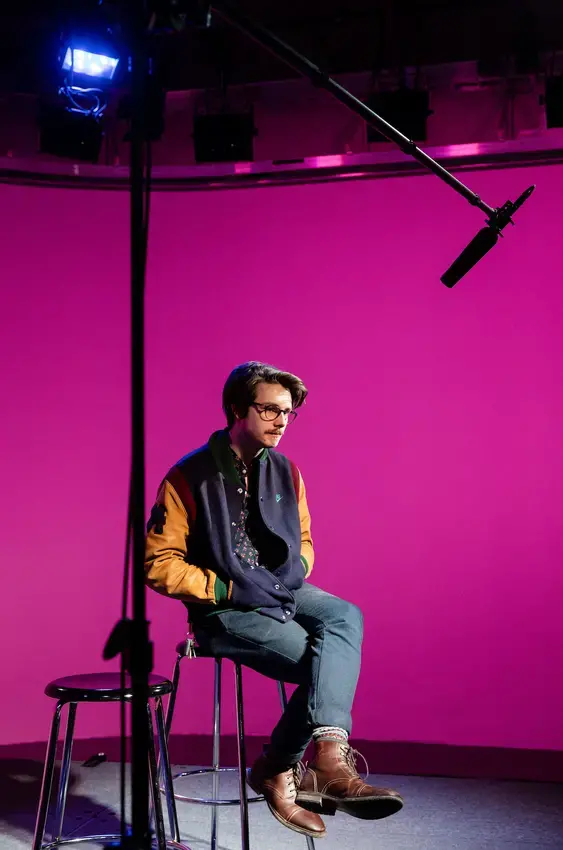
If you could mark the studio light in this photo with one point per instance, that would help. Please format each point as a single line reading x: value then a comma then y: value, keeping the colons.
x: 71, y: 118
x: 86, y: 64
x: 90, y: 58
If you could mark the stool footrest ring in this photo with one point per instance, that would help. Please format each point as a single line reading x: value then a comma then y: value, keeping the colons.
x: 209, y: 802
x: 114, y: 839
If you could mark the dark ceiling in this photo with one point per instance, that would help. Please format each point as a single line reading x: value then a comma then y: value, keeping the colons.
x: 350, y: 35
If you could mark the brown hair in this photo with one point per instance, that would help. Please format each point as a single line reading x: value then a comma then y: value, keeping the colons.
x: 240, y: 387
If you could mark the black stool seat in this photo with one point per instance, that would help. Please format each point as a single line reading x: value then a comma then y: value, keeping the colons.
x: 101, y: 687
x: 69, y: 691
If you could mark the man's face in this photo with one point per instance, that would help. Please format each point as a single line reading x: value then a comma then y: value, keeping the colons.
x: 269, y: 399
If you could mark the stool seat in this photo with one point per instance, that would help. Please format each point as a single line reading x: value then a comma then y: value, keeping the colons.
x: 69, y: 691
x: 101, y: 687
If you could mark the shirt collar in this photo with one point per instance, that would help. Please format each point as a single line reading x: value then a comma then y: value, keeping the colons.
x: 240, y: 465
x: 224, y: 455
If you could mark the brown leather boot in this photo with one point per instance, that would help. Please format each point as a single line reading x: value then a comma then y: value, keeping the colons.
x: 278, y: 785
x: 331, y: 782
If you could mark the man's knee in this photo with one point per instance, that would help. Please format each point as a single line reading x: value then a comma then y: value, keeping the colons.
x: 348, y: 614
x: 355, y: 618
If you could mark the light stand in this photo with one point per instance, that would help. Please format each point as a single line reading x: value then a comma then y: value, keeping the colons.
x: 140, y: 650
x: 131, y: 637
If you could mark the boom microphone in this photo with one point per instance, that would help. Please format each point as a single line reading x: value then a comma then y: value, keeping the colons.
x: 483, y: 241
x: 477, y: 248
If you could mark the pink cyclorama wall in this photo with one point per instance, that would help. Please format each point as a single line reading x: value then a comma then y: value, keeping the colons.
x: 430, y: 445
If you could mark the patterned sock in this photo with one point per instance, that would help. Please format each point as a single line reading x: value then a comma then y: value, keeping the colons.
x: 330, y: 733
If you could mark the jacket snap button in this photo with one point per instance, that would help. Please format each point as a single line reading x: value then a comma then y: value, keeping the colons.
x: 283, y: 616
x: 276, y: 587
x: 240, y: 490
x: 234, y: 524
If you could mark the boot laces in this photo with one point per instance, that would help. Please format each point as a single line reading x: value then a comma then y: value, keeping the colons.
x: 350, y: 756
x: 294, y: 777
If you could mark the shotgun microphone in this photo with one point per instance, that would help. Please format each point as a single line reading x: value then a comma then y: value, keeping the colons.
x: 484, y: 240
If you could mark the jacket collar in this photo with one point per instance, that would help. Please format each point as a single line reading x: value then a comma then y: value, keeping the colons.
x: 220, y: 447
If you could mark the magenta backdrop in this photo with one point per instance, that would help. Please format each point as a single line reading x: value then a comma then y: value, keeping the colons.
x: 431, y: 442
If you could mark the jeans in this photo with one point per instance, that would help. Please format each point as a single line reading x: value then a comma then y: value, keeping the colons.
x: 319, y: 650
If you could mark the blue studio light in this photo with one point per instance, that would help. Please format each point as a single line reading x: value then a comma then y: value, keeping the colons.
x: 88, y: 64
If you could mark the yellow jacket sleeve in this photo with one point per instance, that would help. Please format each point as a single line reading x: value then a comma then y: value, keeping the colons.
x: 307, y: 551
x: 167, y: 569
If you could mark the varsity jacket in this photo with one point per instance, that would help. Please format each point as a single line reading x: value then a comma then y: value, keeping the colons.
x: 191, y: 531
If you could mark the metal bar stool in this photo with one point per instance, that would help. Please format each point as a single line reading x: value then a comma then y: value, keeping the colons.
x: 104, y: 687
x: 189, y: 649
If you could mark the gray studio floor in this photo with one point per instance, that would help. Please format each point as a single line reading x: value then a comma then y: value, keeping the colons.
x: 440, y: 814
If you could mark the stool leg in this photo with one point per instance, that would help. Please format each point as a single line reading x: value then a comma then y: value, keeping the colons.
x: 47, y: 781
x: 166, y: 771
x: 169, y: 716
x: 172, y: 698
x: 241, y: 760
x: 65, y: 771
x: 155, y: 787
x: 283, y: 700
x: 216, y: 756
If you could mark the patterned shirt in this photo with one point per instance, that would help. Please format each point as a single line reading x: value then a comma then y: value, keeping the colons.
x: 245, y: 547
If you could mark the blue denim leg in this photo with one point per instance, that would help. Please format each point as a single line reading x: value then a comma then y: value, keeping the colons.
x: 335, y: 628
x: 319, y: 650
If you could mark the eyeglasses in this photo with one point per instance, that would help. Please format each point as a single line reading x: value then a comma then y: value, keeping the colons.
x: 270, y: 412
